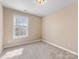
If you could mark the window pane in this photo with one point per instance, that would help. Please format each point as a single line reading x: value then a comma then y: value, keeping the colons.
x: 21, y: 30
x: 21, y: 21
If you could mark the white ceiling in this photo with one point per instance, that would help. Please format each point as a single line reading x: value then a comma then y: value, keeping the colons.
x: 32, y: 7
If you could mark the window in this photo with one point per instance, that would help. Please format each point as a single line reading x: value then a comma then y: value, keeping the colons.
x: 20, y: 26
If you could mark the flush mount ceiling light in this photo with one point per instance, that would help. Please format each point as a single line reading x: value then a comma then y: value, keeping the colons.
x: 40, y: 2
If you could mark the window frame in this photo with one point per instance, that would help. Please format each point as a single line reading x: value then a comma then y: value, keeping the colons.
x: 14, y: 27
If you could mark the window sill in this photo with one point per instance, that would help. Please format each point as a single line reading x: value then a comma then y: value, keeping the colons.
x: 19, y: 37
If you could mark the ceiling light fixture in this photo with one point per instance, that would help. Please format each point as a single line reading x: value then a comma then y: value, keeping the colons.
x: 40, y: 2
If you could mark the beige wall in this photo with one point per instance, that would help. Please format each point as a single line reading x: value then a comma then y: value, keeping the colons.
x: 34, y: 28
x: 60, y: 28
x: 1, y: 28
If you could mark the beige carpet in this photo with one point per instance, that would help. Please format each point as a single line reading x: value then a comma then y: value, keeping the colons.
x: 38, y: 50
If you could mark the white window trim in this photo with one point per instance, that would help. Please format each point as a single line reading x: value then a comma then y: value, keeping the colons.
x: 22, y: 36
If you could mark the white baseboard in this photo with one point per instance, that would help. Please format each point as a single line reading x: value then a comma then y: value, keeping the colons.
x: 61, y: 47
x: 27, y: 42
x: 20, y: 43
